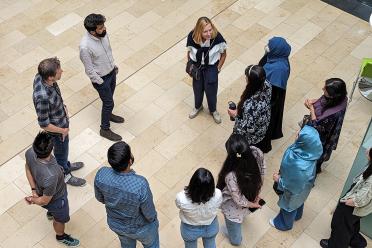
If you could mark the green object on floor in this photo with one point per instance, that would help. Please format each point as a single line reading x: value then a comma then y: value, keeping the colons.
x: 359, y: 164
x: 366, y: 68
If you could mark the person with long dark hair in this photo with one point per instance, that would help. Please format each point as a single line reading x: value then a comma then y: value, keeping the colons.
x: 296, y: 177
x: 356, y: 204
x: 277, y: 69
x: 327, y: 115
x: 240, y: 180
x: 198, y: 204
x: 252, y: 116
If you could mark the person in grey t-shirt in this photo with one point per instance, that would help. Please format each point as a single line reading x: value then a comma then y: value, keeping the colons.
x: 46, y: 180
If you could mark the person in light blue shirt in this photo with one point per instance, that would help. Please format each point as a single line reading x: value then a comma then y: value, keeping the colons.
x: 296, y: 177
x: 128, y: 199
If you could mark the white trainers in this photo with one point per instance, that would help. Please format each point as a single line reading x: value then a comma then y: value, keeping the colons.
x: 195, y: 112
x: 216, y: 117
x: 271, y: 222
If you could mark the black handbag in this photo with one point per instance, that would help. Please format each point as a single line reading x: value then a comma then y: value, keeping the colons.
x: 305, y: 120
x: 277, y: 191
x: 192, y: 69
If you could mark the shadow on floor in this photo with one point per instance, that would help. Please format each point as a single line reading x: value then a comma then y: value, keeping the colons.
x: 358, y: 8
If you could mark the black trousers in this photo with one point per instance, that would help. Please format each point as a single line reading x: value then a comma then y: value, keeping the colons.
x: 345, y: 229
x: 207, y: 83
x: 106, y: 93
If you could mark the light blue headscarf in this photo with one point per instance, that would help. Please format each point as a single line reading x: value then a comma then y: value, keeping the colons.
x: 298, y: 168
x: 277, y: 67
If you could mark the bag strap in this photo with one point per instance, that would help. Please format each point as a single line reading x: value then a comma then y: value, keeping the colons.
x: 205, y: 56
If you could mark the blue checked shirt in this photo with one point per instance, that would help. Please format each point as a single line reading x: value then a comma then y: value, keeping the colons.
x: 49, y: 104
x: 127, y: 197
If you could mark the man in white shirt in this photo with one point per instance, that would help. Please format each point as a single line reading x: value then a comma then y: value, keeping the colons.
x: 96, y: 55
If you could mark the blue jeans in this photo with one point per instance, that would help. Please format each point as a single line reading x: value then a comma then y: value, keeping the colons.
x: 106, y: 93
x: 191, y: 233
x: 60, y: 151
x: 148, y: 235
x: 284, y: 220
x: 234, y: 230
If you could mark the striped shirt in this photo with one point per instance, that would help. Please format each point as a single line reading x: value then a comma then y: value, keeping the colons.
x: 48, y: 104
x: 127, y: 197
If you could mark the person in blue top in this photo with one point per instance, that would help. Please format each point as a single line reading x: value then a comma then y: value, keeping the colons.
x: 127, y: 196
x: 296, y: 177
x: 276, y: 65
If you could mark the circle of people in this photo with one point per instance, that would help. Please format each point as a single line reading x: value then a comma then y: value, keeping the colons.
x: 258, y: 117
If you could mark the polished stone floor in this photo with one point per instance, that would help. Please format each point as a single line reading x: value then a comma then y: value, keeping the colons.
x: 155, y: 96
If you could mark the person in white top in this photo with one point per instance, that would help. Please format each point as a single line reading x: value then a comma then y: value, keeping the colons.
x: 198, y: 204
x: 96, y: 56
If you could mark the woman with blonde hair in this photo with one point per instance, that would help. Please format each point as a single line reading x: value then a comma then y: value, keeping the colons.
x: 206, y: 54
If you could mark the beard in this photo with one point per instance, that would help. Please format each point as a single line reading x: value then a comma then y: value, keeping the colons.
x: 103, y: 34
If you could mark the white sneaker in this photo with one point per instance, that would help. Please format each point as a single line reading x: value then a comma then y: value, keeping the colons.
x: 271, y: 222
x: 195, y: 112
x: 216, y: 117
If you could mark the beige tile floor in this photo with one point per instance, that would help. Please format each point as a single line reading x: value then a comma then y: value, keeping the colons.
x: 155, y: 96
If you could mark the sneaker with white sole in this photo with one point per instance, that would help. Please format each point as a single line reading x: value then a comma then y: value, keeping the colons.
x: 68, y: 240
x: 74, y: 181
x: 76, y: 166
x: 216, y: 117
x: 271, y: 222
x: 195, y: 112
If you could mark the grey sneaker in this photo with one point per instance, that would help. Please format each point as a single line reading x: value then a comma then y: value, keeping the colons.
x: 108, y: 134
x: 216, y: 117
x: 74, y: 181
x: 76, y: 165
x: 68, y: 240
x: 195, y: 112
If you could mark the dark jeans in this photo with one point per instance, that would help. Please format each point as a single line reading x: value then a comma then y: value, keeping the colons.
x: 106, y: 93
x: 208, y: 83
x: 60, y: 151
x: 345, y: 229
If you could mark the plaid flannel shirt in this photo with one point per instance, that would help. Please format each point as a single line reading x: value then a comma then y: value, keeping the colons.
x: 48, y: 104
x: 127, y: 197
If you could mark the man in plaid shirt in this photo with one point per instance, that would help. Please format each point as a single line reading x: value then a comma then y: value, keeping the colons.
x: 52, y: 115
x: 128, y: 199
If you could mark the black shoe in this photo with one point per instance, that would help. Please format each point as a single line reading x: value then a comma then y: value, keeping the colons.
x: 108, y: 134
x: 116, y: 118
x: 324, y: 243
